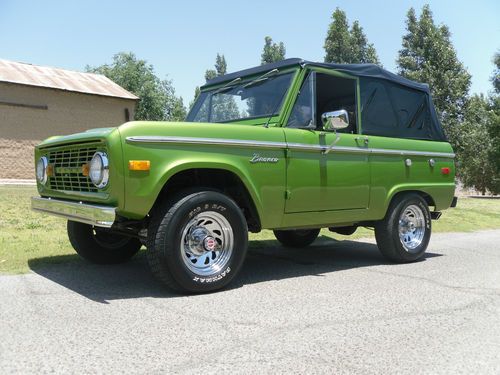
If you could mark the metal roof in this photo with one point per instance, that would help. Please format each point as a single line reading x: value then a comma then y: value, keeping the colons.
x: 61, y: 79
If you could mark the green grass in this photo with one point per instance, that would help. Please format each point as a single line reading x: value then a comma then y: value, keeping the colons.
x: 28, y: 238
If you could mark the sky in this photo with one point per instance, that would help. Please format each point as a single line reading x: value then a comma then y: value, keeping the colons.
x: 181, y: 39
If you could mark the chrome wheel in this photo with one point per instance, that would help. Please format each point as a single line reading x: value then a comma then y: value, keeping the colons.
x: 411, y: 228
x: 207, y: 243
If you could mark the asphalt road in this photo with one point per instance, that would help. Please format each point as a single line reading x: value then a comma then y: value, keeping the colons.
x: 336, y: 307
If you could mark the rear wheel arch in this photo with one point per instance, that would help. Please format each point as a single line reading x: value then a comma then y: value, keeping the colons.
x: 217, y: 179
x: 425, y: 196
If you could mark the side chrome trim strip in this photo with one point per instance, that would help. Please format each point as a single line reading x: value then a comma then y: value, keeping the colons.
x: 210, y: 141
x: 319, y: 148
x: 384, y: 151
x: 284, y: 145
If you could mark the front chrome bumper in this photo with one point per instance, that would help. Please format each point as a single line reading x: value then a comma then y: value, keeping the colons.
x: 100, y: 216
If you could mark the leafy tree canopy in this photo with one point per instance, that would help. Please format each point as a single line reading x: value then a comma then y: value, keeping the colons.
x: 220, y: 68
x: 347, y: 46
x: 478, y: 169
x: 495, y: 79
x: 272, y: 52
x: 157, y: 97
x: 223, y: 106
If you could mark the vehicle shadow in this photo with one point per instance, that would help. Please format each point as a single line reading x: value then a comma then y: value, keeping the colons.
x: 266, y: 261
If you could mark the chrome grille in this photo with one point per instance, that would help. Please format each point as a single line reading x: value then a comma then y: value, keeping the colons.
x: 67, y: 166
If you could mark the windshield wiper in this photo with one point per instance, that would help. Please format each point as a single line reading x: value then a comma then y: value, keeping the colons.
x: 227, y: 86
x: 262, y: 78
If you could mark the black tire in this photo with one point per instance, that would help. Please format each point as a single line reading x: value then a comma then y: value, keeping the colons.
x: 296, y: 238
x: 166, y: 233
x: 345, y: 231
x: 99, y: 245
x: 387, y: 232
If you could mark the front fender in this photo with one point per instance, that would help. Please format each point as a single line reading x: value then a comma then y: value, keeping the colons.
x: 178, y: 166
x: 264, y: 181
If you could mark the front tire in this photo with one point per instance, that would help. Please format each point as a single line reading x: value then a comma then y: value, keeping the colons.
x: 100, y: 245
x: 404, y: 234
x: 296, y: 238
x: 199, y: 243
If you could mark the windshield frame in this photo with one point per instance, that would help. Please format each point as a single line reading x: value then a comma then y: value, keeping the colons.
x: 274, y: 117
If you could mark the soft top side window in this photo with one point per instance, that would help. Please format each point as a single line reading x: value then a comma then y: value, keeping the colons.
x: 391, y: 110
x: 322, y: 93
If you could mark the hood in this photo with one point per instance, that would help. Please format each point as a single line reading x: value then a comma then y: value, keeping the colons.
x: 97, y: 134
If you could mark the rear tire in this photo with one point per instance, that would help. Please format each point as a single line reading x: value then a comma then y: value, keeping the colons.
x: 197, y: 244
x: 345, y: 231
x: 296, y: 238
x: 403, y: 235
x: 100, y: 245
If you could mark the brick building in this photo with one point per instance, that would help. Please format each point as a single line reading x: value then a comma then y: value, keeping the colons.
x: 37, y: 102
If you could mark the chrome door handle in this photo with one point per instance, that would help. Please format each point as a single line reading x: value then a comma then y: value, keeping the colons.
x: 329, y: 148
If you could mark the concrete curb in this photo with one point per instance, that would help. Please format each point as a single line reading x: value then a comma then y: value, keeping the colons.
x: 17, y: 182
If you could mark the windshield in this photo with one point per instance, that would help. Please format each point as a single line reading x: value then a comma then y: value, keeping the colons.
x: 243, y: 99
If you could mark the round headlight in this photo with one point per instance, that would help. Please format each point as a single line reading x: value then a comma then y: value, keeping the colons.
x: 99, y: 169
x: 41, y: 170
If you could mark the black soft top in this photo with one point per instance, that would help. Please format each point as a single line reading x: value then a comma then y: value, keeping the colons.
x: 391, y: 105
x: 359, y: 70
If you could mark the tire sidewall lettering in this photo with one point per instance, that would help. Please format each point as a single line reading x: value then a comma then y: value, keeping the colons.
x: 206, y: 207
x: 212, y: 279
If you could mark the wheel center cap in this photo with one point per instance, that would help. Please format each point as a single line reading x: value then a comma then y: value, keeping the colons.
x: 209, y: 243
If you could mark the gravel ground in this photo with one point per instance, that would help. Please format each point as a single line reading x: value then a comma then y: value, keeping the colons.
x: 337, y: 307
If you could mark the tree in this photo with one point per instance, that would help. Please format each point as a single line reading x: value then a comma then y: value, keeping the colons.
x: 476, y: 146
x: 272, y: 52
x: 494, y: 136
x: 479, y: 148
x: 495, y: 79
x: 220, y: 68
x: 157, y: 97
x: 361, y: 50
x: 223, y: 106
x: 344, y: 46
x: 427, y: 55
x: 494, y: 128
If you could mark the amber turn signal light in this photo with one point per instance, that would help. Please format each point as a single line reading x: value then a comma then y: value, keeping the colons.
x: 85, y: 169
x: 139, y: 165
x: 50, y: 170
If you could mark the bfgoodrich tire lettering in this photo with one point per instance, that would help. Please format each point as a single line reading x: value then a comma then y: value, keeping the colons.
x: 198, y: 244
x: 404, y: 234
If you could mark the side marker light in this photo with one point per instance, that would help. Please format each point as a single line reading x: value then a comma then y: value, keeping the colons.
x: 139, y: 165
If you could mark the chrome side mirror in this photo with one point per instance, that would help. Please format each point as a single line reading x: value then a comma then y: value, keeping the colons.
x: 335, y: 120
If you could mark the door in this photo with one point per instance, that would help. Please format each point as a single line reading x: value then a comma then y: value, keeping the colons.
x: 326, y: 171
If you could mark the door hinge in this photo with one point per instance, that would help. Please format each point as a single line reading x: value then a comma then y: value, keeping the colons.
x: 287, y: 194
x: 288, y: 153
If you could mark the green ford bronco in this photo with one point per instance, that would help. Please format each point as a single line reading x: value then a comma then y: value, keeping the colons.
x: 293, y: 146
